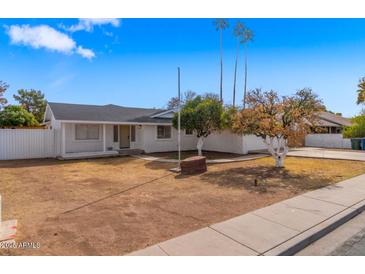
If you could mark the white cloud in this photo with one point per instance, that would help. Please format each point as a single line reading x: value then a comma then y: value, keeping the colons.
x: 44, y: 36
x: 87, y: 24
x: 41, y: 37
x: 86, y: 53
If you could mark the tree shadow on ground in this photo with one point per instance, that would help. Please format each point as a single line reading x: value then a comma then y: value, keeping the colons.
x: 264, y: 179
x: 210, y: 155
x: 119, y: 160
x: 55, y: 162
x: 34, y: 163
x: 155, y: 165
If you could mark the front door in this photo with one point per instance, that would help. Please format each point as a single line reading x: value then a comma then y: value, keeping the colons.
x: 124, y: 136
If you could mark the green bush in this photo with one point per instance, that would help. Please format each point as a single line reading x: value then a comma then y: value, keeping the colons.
x: 357, y: 130
x: 203, y: 115
x: 16, y: 116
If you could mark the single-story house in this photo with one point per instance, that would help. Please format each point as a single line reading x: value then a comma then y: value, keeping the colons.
x: 82, y: 131
x: 87, y: 130
x: 331, y: 134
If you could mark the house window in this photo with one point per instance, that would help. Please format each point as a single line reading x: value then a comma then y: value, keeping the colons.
x: 133, y: 133
x: 188, y: 132
x: 87, y: 132
x: 115, y: 134
x: 163, y: 132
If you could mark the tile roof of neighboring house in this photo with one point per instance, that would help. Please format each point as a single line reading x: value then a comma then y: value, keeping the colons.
x: 106, y: 113
x: 324, y: 123
x: 328, y: 119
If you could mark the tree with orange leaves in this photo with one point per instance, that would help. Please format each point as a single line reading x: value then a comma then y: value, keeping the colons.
x: 275, y: 119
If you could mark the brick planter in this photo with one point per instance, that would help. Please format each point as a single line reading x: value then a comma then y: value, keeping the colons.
x: 193, y: 165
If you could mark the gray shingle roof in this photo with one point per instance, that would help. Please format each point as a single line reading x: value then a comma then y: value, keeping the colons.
x: 106, y: 113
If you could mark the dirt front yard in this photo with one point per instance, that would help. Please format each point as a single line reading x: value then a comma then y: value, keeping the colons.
x: 118, y: 205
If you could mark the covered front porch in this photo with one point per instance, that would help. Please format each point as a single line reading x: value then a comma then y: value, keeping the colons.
x: 90, y: 140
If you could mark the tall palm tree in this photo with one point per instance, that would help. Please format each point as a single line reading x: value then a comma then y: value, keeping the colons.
x: 221, y: 24
x: 3, y: 87
x: 238, y: 33
x: 361, y: 91
x: 246, y: 38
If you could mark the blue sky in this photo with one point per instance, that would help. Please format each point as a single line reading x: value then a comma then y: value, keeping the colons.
x: 132, y: 62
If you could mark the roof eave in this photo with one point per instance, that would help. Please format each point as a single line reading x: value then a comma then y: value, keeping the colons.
x: 111, y: 122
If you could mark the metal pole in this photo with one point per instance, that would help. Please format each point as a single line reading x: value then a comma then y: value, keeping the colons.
x: 245, y: 88
x: 179, y: 116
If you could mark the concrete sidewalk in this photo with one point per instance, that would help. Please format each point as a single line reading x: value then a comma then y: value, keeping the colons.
x: 283, y: 228
x: 339, y: 154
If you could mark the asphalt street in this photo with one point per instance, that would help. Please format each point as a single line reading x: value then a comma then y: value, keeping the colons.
x: 346, y: 240
x: 355, y: 246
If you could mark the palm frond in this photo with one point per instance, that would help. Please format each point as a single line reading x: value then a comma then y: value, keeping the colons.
x: 221, y: 23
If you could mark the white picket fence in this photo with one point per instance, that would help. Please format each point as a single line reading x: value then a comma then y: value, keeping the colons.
x: 327, y: 141
x: 26, y: 143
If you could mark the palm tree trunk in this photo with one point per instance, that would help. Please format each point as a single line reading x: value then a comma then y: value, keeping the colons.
x: 221, y: 53
x: 235, y: 76
x: 245, y: 87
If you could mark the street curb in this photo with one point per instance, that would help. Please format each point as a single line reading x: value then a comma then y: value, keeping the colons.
x: 299, y: 242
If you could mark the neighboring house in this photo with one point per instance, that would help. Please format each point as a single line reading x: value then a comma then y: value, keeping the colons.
x: 82, y: 130
x: 332, y: 123
x: 331, y: 134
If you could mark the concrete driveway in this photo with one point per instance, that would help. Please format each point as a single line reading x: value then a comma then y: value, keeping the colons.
x: 341, y: 154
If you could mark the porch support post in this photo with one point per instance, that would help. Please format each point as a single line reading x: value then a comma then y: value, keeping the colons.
x: 63, y: 139
x: 104, y: 141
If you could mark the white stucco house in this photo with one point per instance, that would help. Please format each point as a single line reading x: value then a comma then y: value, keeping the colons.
x: 91, y: 130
